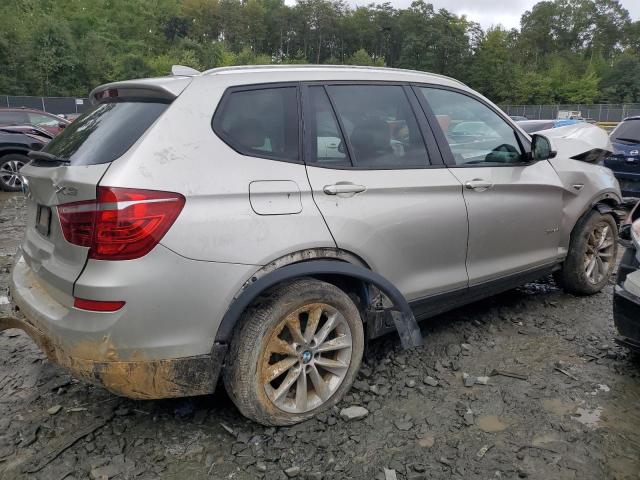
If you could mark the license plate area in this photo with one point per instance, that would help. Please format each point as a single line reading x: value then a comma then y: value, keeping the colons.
x: 43, y: 220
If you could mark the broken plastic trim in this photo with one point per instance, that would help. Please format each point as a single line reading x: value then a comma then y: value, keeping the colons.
x: 594, y: 155
x: 403, y: 318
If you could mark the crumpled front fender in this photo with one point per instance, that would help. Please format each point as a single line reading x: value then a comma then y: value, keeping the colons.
x: 576, y: 140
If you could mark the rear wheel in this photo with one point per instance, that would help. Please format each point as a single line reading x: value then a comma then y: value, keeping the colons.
x: 592, y: 254
x: 296, y: 353
x: 10, y: 179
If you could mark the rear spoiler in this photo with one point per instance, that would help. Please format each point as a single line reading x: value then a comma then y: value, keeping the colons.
x: 163, y: 88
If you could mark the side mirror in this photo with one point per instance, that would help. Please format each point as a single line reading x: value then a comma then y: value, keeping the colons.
x: 541, y: 148
x: 62, y: 125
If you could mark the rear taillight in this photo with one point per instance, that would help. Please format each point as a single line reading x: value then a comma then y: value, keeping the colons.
x: 122, y: 224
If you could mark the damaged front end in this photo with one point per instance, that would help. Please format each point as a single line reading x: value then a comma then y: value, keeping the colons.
x: 581, y: 141
x: 574, y: 152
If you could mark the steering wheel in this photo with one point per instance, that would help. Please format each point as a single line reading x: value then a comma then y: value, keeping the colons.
x: 503, y: 153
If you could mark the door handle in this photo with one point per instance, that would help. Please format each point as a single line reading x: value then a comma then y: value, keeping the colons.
x: 338, y: 188
x: 478, y: 184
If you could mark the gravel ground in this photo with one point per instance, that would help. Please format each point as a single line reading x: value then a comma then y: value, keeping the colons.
x: 528, y: 384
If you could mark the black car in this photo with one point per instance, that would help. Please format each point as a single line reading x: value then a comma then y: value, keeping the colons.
x: 626, y: 297
x: 15, y: 143
x: 625, y: 159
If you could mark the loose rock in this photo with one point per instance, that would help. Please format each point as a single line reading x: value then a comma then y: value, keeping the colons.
x: 390, y: 474
x: 353, y: 413
x: 292, y: 472
x: 426, y: 442
x: 55, y: 409
x: 432, y: 382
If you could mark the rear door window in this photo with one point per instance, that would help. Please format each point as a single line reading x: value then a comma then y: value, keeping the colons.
x: 382, y: 130
x: 106, y: 132
x: 260, y: 122
x: 327, y: 147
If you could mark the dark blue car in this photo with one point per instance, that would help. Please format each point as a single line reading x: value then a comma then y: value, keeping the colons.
x: 625, y: 160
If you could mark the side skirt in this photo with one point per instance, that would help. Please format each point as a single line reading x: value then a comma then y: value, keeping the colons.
x: 436, y: 304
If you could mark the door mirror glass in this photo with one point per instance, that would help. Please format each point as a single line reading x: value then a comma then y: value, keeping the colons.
x: 541, y: 148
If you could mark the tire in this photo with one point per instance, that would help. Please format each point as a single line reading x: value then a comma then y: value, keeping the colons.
x: 266, y: 356
x: 10, y: 180
x: 592, y: 255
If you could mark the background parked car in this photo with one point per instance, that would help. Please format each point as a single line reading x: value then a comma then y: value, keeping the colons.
x: 532, y: 126
x: 518, y: 118
x: 26, y: 116
x: 15, y: 143
x: 626, y: 296
x: 625, y: 160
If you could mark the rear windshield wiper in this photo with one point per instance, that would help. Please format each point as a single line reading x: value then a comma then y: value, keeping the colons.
x: 632, y: 140
x: 37, y: 155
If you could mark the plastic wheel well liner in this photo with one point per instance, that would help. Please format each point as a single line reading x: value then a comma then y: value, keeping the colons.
x: 404, y: 320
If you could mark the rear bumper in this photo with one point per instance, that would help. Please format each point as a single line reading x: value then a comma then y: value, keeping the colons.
x: 161, y: 344
x: 626, y: 301
x: 150, y: 379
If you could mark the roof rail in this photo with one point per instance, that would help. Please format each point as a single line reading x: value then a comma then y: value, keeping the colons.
x: 240, y: 68
x: 182, y: 70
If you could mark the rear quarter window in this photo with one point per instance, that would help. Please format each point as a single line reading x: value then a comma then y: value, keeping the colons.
x: 106, y: 132
x: 260, y: 122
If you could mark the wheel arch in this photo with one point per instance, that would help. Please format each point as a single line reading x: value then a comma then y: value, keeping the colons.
x: 605, y: 203
x: 13, y: 150
x: 337, y: 270
x: 609, y: 205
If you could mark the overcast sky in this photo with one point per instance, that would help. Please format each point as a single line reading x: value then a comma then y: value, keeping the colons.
x: 491, y: 12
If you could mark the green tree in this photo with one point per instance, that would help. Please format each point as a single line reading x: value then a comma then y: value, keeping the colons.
x: 621, y: 84
x: 361, y: 57
x: 565, y: 50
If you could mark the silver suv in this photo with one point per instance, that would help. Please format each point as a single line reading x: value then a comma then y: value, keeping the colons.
x: 263, y: 223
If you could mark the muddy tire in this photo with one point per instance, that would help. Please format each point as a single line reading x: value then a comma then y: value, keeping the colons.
x: 10, y: 179
x: 592, y: 254
x: 296, y: 352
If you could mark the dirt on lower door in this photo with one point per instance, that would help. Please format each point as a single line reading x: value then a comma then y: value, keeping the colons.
x: 528, y: 384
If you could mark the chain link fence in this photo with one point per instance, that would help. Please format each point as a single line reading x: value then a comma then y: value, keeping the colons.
x: 56, y: 105
x: 599, y: 113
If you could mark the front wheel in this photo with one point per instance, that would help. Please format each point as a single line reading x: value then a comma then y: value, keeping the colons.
x: 296, y: 352
x: 592, y: 255
x: 10, y: 178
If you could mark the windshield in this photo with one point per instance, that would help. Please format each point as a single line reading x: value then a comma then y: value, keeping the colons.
x: 627, y: 132
x: 106, y: 132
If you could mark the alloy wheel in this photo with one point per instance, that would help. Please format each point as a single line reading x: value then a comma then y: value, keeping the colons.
x: 306, y: 358
x: 599, y: 254
x: 9, y: 175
